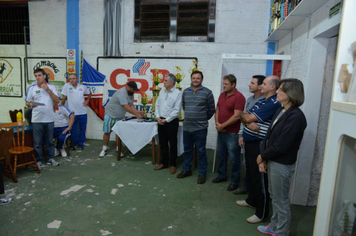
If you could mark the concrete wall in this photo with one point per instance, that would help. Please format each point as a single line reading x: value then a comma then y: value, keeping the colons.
x: 307, y: 44
x: 241, y: 27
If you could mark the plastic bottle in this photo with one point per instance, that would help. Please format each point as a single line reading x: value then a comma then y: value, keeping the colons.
x: 19, y: 116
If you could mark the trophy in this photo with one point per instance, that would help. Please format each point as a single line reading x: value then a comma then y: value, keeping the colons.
x: 179, y: 77
x: 156, y: 80
x: 144, y: 100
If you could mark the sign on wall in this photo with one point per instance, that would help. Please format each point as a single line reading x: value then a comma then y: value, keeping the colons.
x: 55, y: 67
x: 118, y: 71
x: 71, y: 60
x: 10, y: 77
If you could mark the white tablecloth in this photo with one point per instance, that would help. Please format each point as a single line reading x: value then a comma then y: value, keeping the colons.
x: 136, y: 135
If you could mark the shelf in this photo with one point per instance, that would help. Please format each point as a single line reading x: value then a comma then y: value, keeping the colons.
x: 297, y: 16
x: 347, y: 107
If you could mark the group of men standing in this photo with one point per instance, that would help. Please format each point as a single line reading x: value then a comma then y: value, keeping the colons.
x: 49, y: 119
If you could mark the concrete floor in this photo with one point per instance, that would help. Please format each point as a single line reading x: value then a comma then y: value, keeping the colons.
x: 87, y: 195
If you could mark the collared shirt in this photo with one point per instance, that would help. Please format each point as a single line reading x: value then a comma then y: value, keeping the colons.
x: 227, y: 107
x: 61, y: 116
x: 168, y: 104
x: 264, y: 110
x: 199, y: 107
x: 75, y: 97
x: 41, y: 114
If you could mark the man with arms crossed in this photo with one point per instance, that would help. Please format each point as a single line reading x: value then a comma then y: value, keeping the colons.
x: 199, y: 106
x: 42, y: 116
x: 167, y: 113
x: 120, y: 103
x: 256, y: 121
x: 255, y: 88
x: 230, y: 105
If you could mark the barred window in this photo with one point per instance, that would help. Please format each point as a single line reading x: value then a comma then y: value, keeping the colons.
x: 175, y: 20
x: 14, y: 22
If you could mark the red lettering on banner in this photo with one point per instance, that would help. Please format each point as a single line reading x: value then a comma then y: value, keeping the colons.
x: 113, y: 76
x: 160, y: 71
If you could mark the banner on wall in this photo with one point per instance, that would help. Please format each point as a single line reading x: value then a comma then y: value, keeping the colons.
x: 10, y: 77
x: 55, y: 67
x: 119, y: 70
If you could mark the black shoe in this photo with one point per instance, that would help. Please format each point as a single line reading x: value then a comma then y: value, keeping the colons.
x: 239, y: 191
x: 184, y: 174
x: 217, y: 180
x: 81, y: 147
x: 232, y: 187
x: 201, y: 179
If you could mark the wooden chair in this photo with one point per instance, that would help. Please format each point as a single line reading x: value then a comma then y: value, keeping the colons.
x: 6, y: 139
x: 13, y: 114
x: 22, y: 154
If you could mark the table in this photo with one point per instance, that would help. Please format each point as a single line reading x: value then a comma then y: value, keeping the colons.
x: 136, y: 135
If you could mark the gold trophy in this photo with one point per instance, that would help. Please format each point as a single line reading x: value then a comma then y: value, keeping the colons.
x: 144, y: 100
x: 179, y: 77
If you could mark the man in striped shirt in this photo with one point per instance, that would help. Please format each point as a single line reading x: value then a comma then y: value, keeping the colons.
x: 199, y: 106
x: 257, y: 121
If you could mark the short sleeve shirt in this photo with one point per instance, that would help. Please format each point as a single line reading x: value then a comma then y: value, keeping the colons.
x: 227, y: 107
x: 41, y: 114
x: 75, y: 97
x: 61, y: 116
x: 115, y: 106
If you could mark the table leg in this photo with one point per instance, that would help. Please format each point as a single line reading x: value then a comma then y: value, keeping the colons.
x: 153, y: 151
x: 118, y: 148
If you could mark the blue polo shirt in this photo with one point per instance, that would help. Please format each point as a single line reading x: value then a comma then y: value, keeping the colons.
x: 264, y: 110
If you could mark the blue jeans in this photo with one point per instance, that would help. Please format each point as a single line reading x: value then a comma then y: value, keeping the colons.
x: 78, y: 129
x: 199, y: 138
x: 279, y: 177
x: 228, y: 146
x: 43, y: 132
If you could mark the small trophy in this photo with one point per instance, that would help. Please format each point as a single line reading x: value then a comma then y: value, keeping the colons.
x: 179, y: 77
x: 144, y: 100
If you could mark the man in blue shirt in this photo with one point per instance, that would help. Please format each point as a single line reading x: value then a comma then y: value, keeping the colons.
x: 256, y: 121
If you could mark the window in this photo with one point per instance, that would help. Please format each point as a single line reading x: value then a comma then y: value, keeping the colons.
x: 14, y: 19
x: 175, y: 20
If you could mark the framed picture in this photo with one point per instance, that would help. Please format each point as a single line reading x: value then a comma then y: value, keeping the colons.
x: 11, y: 77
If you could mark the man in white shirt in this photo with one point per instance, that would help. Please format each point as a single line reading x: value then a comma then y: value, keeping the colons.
x: 63, y: 122
x: 75, y: 93
x: 41, y: 97
x: 167, y: 112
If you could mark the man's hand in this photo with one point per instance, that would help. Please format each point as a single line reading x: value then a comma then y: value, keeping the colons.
x: 259, y: 159
x: 220, y: 127
x: 44, y: 86
x: 262, y: 167
x: 142, y: 113
x: 254, y: 127
x: 86, y: 102
x: 241, y: 141
x: 66, y: 130
x: 161, y: 121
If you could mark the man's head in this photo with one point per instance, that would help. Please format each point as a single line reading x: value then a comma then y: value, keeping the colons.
x: 169, y: 81
x: 40, y: 75
x: 255, y: 83
x: 196, y: 79
x: 229, y: 83
x: 73, y: 79
x: 270, y: 85
x: 131, y: 88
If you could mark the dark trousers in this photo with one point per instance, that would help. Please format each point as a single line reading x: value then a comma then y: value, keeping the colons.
x: 167, y: 133
x: 257, y: 182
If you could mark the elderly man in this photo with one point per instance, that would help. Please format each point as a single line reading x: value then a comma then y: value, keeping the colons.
x: 199, y: 106
x: 256, y: 121
x: 230, y: 105
x: 41, y: 97
x: 167, y: 113
x: 74, y: 93
x: 120, y: 103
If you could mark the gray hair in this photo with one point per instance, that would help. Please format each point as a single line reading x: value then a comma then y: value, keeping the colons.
x: 172, y: 78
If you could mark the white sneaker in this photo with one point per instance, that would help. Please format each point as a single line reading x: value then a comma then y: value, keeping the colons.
x: 103, y: 152
x: 39, y: 165
x: 52, y: 162
x: 63, y: 153
x: 56, y: 153
x: 5, y: 201
x: 254, y: 219
x: 243, y: 203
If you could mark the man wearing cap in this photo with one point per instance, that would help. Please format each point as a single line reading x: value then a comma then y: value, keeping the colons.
x: 120, y: 103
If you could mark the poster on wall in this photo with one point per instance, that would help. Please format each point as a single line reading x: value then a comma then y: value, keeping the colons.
x: 10, y: 77
x: 55, y: 68
x: 147, y: 72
